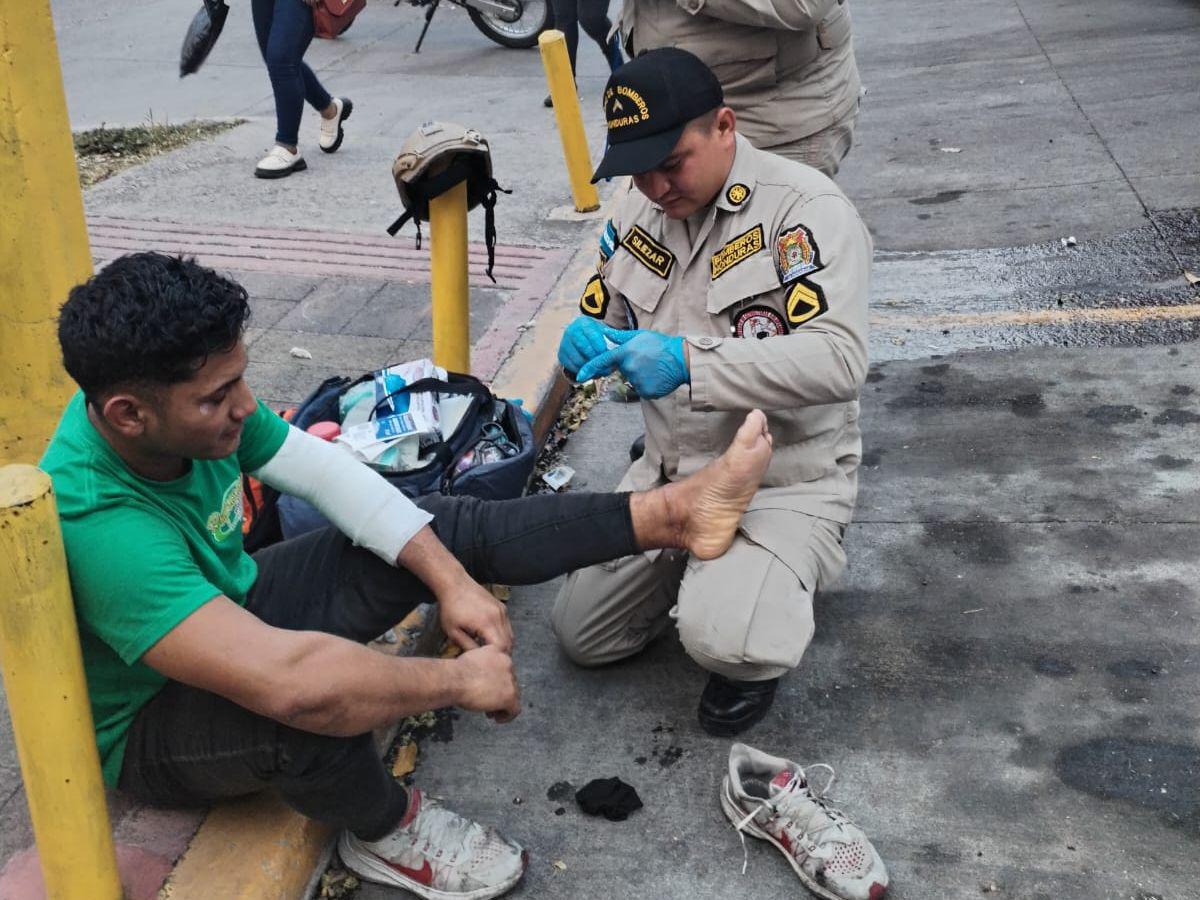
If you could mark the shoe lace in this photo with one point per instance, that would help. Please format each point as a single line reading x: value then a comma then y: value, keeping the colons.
x: 440, y: 830
x: 798, y: 799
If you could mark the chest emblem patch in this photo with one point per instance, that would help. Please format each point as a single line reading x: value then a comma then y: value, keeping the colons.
x: 737, y: 194
x: 649, y: 252
x: 740, y: 248
x: 594, y: 301
x: 796, y: 254
x: 805, y: 301
x: 228, y: 519
x: 758, y: 322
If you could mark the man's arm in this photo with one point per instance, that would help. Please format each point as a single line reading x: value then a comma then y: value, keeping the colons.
x: 824, y: 357
x: 321, y: 683
x: 779, y: 15
x: 373, y: 514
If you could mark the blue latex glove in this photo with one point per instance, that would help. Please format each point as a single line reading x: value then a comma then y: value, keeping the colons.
x: 582, y: 341
x: 652, y: 362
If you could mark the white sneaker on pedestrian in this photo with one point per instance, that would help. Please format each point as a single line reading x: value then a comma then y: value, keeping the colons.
x: 280, y: 163
x: 771, y: 798
x: 331, y: 129
x: 437, y: 854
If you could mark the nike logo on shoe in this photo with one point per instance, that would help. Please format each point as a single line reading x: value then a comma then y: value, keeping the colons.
x: 423, y: 875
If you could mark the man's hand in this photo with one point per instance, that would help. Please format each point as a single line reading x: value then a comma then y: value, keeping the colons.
x: 487, y: 683
x: 581, y: 342
x: 653, y: 363
x: 472, y: 617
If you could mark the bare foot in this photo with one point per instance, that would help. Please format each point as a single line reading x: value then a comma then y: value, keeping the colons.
x: 714, y: 499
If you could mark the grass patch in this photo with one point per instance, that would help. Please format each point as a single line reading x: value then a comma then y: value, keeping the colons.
x: 103, y: 152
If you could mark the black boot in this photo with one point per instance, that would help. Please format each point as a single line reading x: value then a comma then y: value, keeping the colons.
x: 729, y: 707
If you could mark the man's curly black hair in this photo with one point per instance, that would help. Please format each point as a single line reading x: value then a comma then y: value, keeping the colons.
x: 148, y: 319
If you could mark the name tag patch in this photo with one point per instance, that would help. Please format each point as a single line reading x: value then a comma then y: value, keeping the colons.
x: 594, y: 301
x: 740, y: 248
x: 796, y: 254
x: 649, y: 252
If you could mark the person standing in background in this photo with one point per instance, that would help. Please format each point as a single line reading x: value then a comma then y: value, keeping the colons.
x: 787, y: 66
x: 593, y: 16
x: 284, y: 29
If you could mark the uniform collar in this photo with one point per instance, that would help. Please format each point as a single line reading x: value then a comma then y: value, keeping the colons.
x: 741, y: 181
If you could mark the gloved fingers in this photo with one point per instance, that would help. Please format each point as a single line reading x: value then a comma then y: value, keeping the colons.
x: 604, y: 364
x: 569, y: 356
x: 590, y: 336
x: 620, y: 335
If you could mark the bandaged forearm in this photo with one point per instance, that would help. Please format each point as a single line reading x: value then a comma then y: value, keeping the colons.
x: 355, y: 499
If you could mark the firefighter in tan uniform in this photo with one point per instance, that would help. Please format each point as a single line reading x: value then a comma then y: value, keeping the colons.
x: 787, y: 66
x: 730, y: 279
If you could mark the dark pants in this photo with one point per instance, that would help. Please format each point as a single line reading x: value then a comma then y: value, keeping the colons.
x: 285, y: 29
x: 592, y: 15
x: 189, y: 747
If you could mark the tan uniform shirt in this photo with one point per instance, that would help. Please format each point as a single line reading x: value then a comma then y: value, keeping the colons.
x: 787, y: 66
x: 771, y: 297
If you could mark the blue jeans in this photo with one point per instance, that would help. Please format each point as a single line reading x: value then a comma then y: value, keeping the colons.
x: 285, y: 29
x: 593, y: 16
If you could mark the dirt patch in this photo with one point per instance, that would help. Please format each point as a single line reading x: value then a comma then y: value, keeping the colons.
x: 103, y: 152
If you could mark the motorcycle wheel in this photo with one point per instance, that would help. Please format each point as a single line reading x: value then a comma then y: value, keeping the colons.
x: 536, y: 16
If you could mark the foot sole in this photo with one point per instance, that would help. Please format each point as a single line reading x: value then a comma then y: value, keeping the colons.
x: 347, y: 108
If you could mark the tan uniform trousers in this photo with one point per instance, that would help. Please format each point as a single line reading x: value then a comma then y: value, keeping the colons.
x: 824, y: 150
x: 746, y: 615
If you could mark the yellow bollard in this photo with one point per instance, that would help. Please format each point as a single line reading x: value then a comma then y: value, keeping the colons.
x: 47, y: 695
x: 43, y: 235
x: 570, y: 121
x: 448, y: 270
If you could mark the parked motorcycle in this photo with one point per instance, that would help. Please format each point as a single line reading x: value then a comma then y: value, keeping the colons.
x: 510, y: 23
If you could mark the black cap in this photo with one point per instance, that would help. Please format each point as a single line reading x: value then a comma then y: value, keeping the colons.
x: 648, y: 102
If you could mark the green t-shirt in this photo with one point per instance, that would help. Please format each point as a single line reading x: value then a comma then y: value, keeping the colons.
x: 144, y: 555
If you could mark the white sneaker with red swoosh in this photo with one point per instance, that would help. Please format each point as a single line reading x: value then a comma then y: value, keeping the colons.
x: 437, y: 854
x: 771, y: 798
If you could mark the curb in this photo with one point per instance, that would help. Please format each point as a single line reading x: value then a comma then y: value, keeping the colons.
x: 257, y: 848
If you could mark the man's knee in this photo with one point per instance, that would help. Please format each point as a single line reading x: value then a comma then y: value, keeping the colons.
x: 579, y: 643
x: 750, y: 617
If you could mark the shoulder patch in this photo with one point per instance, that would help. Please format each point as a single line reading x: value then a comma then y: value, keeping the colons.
x: 608, y: 242
x: 736, y: 250
x: 757, y: 322
x: 737, y: 194
x: 796, y: 254
x: 649, y: 252
x: 805, y: 301
x: 594, y: 301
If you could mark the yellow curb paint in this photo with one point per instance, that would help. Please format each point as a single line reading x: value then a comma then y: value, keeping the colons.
x: 1044, y: 317
x: 251, y: 849
x: 406, y: 760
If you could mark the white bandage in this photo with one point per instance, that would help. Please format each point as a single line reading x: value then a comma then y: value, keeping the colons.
x: 355, y: 499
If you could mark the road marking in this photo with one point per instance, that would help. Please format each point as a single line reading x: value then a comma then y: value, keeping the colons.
x: 1044, y: 317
